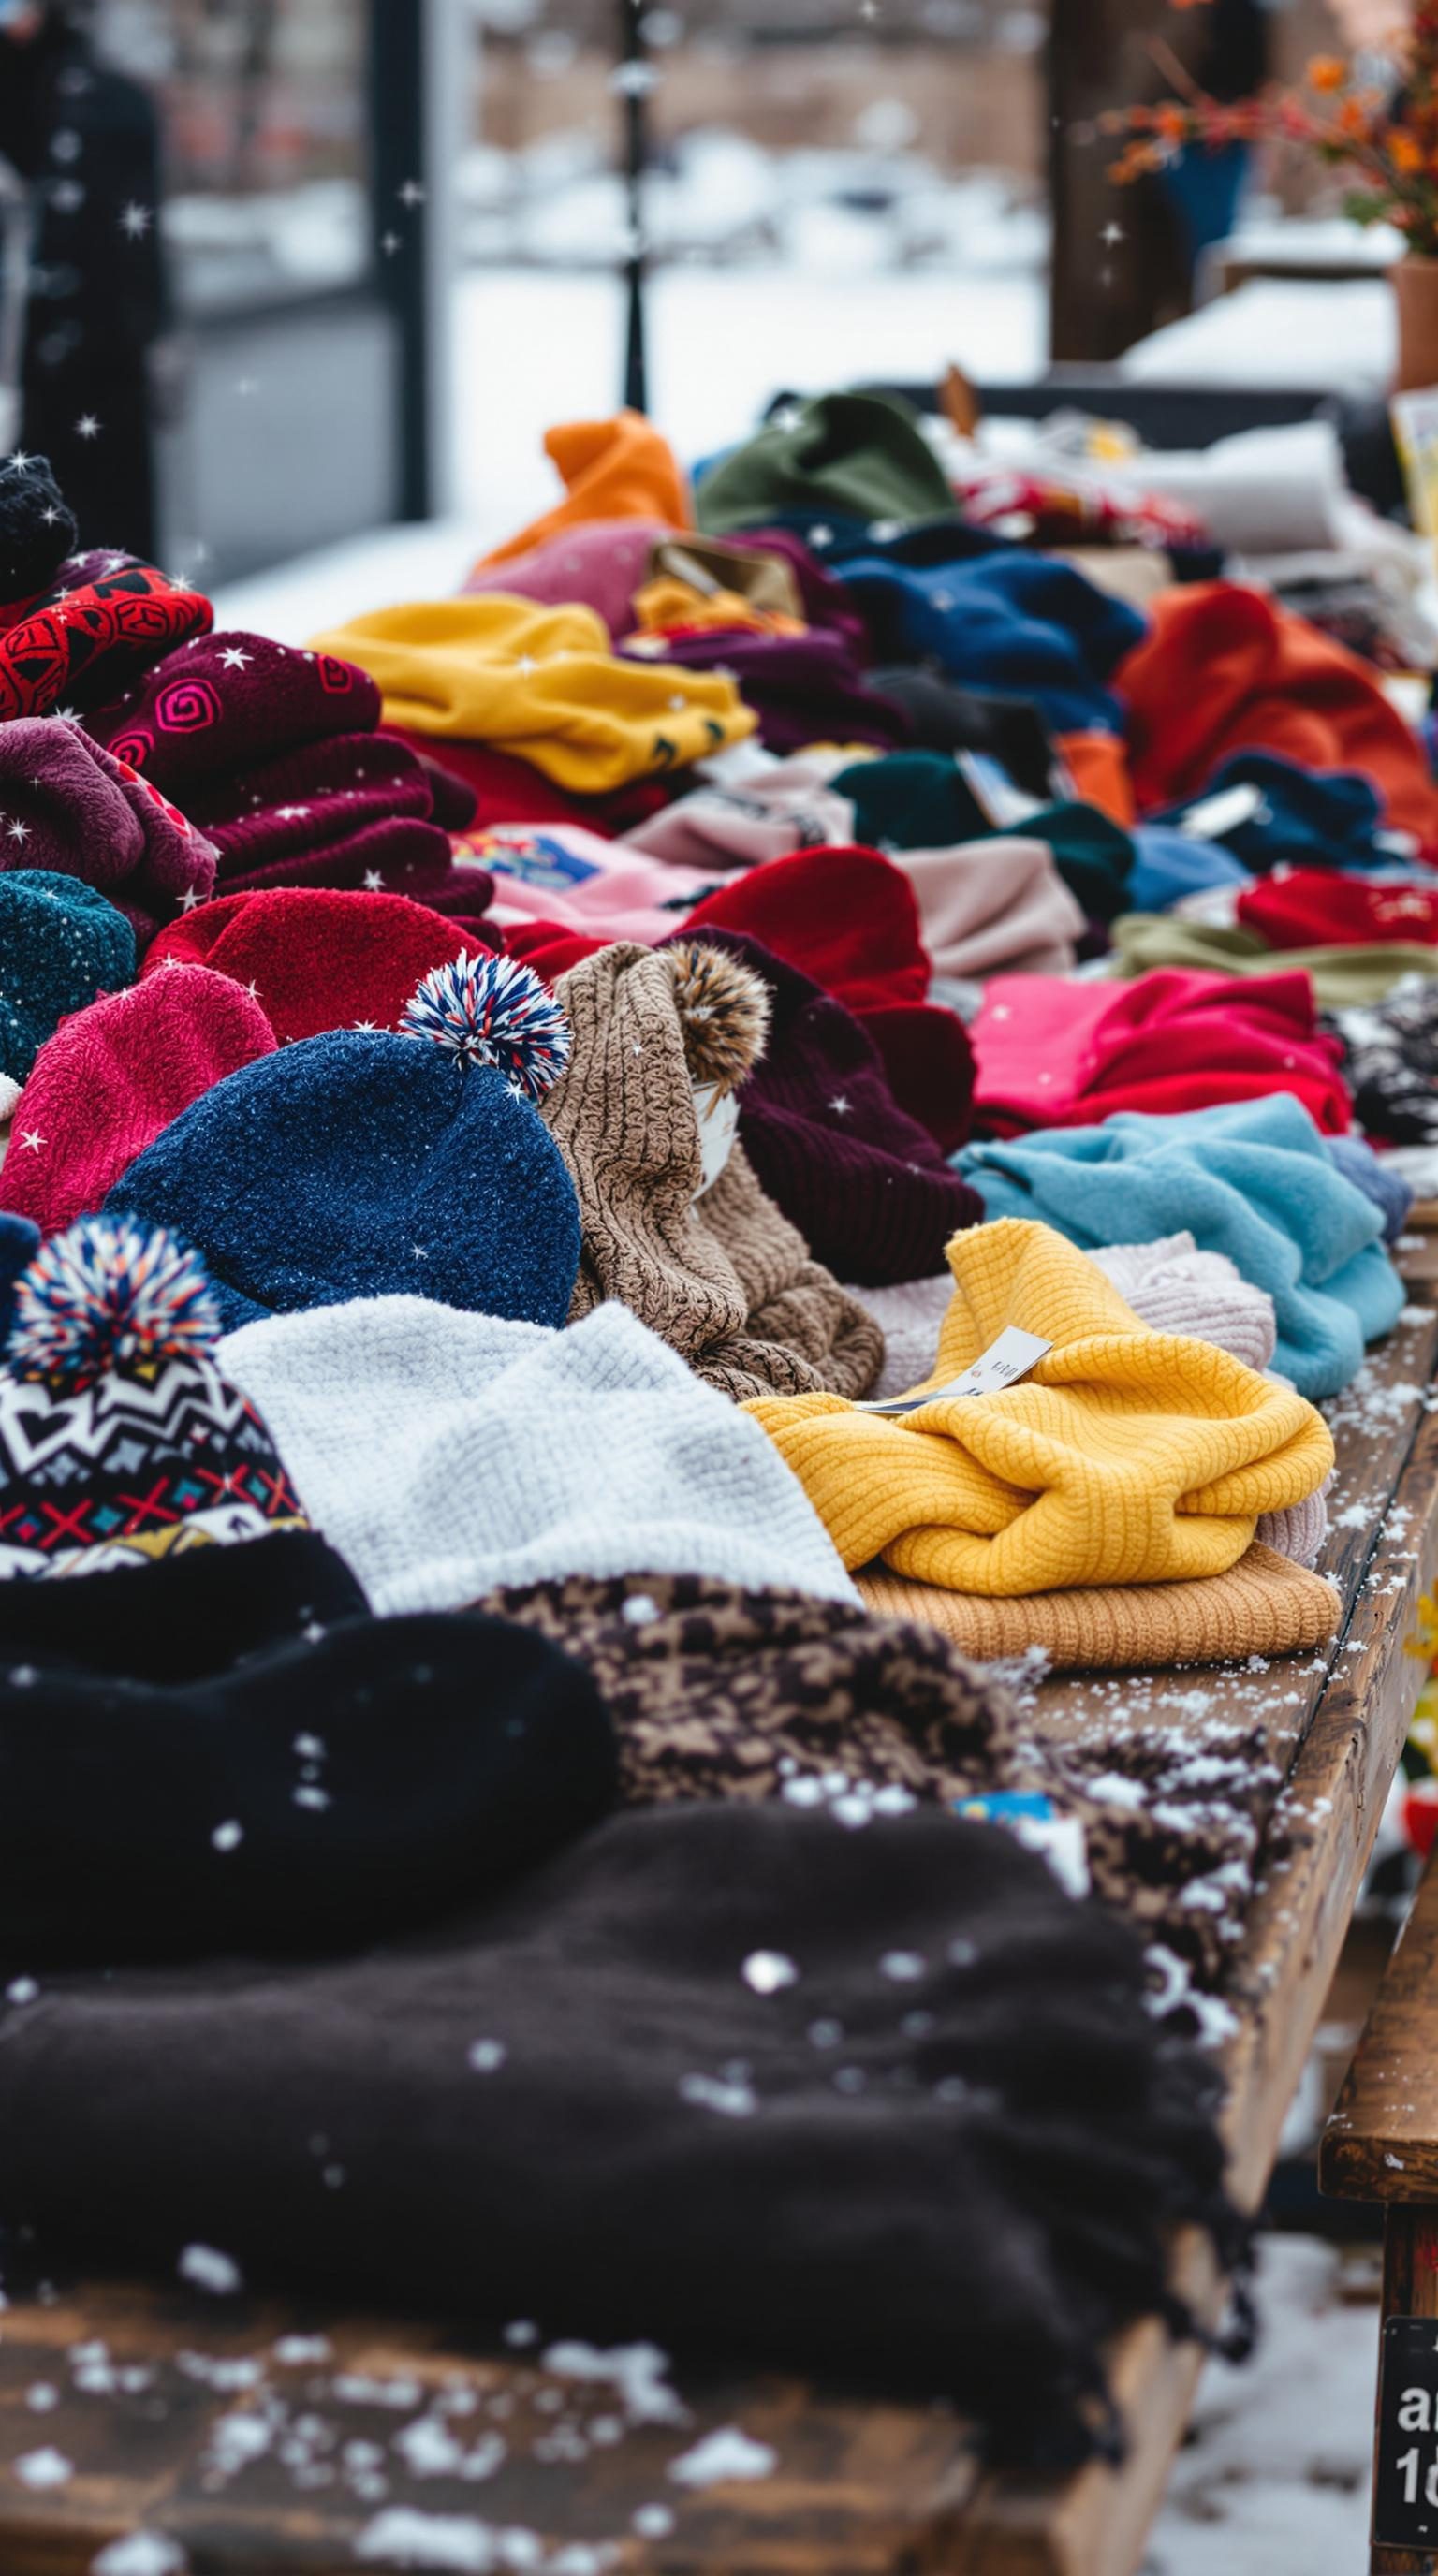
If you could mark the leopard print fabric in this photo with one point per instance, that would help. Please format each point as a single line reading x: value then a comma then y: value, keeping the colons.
x: 720, y: 1693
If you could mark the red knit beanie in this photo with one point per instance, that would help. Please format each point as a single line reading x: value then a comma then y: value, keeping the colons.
x: 316, y: 958
x: 112, y: 1077
x: 847, y: 918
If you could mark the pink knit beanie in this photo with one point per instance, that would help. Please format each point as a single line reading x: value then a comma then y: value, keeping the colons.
x: 103, y: 1087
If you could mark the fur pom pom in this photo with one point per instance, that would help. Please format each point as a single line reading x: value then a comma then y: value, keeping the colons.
x: 723, y: 1010
x: 492, y: 1010
x: 110, y: 1295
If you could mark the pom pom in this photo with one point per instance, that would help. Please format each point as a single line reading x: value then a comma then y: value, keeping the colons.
x: 36, y: 530
x: 492, y: 1010
x: 110, y: 1295
x: 723, y: 1011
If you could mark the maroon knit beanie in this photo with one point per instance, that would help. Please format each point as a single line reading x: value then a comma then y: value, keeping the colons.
x: 866, y: 1186
x: 352, y: 809
x: 224, y: 703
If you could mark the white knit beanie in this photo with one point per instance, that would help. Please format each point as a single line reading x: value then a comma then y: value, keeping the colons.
x: 445, y: 1453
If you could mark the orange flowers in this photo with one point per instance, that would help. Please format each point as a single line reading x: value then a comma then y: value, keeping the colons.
x: 1327, y: 72
x: 1405, y: 152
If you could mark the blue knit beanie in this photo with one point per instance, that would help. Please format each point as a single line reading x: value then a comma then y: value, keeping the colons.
x: 368, y: 1164
x: 61, y: 944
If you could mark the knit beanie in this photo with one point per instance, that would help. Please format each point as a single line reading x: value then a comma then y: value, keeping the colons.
x: 227, y: 702
x: 89, y: 636
x: 859, y: 454
x: 361, y: 1163
x: 921, y: 800
x: 611, y: 469
x: 61, y: 943
x: 316, y: 958
x: 713, y: 1267
x: 120, y: 1439
x: 1175, y: 1288
x: 1265, y: 1605
x: 347, y: 810
x: 867, y: 1187
x: 1027, y: 1488
x: 993, y: 907
x: 68, y: 805
x: 113, y: 1077
x: 542, y: 682
x: 848, y: 918
x: 444, y: 1454
x: 36, y: 532
x: 274, y: 752
x: 226, y: 1752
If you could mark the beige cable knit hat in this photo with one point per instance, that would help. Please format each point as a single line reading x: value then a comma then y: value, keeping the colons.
x: 716, y: 1271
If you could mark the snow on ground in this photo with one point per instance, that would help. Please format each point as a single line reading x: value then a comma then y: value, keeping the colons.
x: 1274, y: 2478
x: 531, y: 348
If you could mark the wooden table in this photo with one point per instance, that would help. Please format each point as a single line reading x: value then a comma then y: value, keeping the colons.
x: 180, y: 2416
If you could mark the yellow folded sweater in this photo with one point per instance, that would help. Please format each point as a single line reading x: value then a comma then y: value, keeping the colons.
x: 1126, y: 1456
x: 541, y: 683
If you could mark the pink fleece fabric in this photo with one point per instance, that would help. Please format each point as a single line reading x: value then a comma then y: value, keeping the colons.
x: 601, y: 562
x: 559, y: 872
x: 1056, y: 1054
x: 103, y: 1087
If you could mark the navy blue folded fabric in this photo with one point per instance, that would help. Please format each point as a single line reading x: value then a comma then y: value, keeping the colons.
x: 1028, y: 625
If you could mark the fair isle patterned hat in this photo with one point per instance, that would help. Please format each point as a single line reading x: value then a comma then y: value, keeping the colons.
x: 120, y: 1441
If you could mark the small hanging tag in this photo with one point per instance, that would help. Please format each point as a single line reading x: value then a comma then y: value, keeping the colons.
x: 1006, y: 1360
x: 1224, y: 811
x: 718, y: 1115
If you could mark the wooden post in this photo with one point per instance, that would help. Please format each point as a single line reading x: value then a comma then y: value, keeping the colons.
x: 1410, y: 2291
x: 1118, y: 269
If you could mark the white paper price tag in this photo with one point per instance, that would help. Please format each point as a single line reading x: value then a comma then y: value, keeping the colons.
x: 1002, y: 1364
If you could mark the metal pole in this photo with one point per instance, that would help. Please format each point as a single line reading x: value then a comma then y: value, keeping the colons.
x: 633, y: 81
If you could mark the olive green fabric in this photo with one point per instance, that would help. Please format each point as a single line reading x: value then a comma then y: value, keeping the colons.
x: 858, y: 455
x: 1341, y: 975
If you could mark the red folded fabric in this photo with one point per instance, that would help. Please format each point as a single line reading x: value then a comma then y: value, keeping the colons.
x: 549, y: 947
x: 507, y: 790
x: 1054, y: 1054
x: 1314, y: 908
x: 1222, y: 670
x: 846, y: 918
x: 87, y: 642
x: 315, y: 958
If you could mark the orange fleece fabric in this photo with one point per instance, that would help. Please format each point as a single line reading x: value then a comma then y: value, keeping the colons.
x: 612, y: 469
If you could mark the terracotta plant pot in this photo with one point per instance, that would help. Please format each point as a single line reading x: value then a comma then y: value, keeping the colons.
x: 1415, y: 286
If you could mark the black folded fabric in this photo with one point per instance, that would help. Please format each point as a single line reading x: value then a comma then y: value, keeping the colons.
x: 881, y: 2103
x: 947, y: 717
x: 226, y: 1750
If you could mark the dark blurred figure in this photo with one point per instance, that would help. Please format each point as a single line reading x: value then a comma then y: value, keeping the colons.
x: 85, y: 142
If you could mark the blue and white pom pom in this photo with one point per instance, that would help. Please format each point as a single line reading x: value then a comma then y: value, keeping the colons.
x: 110, y: 1295
x: 493, y: 1010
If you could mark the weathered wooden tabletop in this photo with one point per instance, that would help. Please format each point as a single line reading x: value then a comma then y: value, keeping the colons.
x: 244, y: 2438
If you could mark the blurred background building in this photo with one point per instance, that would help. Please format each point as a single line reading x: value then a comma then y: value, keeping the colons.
x: 393, y: 231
